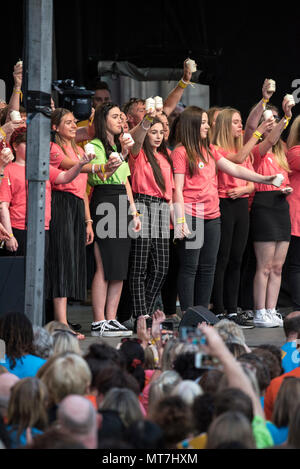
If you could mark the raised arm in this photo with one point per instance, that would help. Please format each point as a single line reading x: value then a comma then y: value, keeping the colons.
x: 256, y: 113
x: 139, y: 132
x: 14, y: 102
x: 176, y: 94
x: 275, y: 134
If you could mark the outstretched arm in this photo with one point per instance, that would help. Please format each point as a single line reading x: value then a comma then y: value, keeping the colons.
x: 176, y: 94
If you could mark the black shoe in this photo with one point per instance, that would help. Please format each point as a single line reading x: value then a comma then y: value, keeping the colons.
x: 240, y: 320
x: 75, y: 326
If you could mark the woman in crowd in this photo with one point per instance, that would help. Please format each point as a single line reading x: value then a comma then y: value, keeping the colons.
x: 233, y: 194
x: 270, y: 219
x: 197, y: 205
x: 152, y: 185
x: 111, y: 203
x: 293, y: 157
x: 13, y: 194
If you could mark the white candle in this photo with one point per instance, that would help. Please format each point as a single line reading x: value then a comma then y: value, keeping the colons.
x: 15, y: 116
x: 150, y: 105
x: 271, y: 85
x: 267, y: 114
x: 191, y: 65
x: 289, y: 98
x: 89, y: 149
x: 278, y: 180
x: 126, y: 136
x: 158, y: 103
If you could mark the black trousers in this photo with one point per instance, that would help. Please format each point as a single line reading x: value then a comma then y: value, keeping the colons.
x: 197, y: 262
x: 234, y: 235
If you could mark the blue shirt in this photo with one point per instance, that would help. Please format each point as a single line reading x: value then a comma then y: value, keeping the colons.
x: 15, y: 442
x: 279, y: 435
x: 290, y: 356
x: 26, y: 366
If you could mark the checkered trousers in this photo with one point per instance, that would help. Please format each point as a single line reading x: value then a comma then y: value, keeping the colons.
x: 149, y: 258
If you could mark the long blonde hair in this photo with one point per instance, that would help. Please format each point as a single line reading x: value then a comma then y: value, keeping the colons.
x: 222, y: 133
x: 294, y: 135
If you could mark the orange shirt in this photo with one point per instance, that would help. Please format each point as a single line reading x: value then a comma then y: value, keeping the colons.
x: 142, y: 177
x: 200, y: 192
x: 13, y: 190
x: 293, y: 157
x: 78, y: 185
x: 268, y: 166
x: 227, y: 182
x: 272, y: 391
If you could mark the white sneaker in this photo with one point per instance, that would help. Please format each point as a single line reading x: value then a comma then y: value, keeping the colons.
x: 104, y: 329
x: 263, y: 319
x: 276, y: 317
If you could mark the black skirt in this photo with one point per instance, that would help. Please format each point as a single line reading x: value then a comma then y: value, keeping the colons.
x: 270, y: 217
x: 66, y: 259
x: 109, y: 209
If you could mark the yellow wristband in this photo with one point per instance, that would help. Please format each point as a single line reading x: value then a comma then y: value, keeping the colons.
x: 287, y: 121
x: 2, y: 132
x: 264, y: 102
x: 180, y: 220
x: 11, y: 235
x: 150, y: 119
x: 182, y: 84
x: 20, y: 93
x: 102, y: 166
x: 257, y: 135
x: 155, y: 340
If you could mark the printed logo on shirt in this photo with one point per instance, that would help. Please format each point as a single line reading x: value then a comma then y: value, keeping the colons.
x: 270, y: 159
x: 201, y: 165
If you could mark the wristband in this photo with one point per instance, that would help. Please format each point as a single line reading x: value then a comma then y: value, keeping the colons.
x: 183, y: 84
x: 286, y: 121
x: 180, y: 220
x: 155, y: 340
x: 150, y: 119
x: 102, y: 166
x: 19, y: 92
x: 88, y: 221
x: 257, y: 135
x: 93, y: 169
x: 2, y: 132
x: 264, y: 102
x: 136, y: 214
x: 11, y: 235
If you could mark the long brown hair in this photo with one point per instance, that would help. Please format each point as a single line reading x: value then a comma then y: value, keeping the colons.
x: 56, y: 118
x: 153, y: 161
x: 294, y: 135
x: 222, y: 132
x: 188, y: 134
x: 100, y: 125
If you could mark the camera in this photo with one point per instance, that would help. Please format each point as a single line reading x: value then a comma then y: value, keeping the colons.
x: 75, y: 98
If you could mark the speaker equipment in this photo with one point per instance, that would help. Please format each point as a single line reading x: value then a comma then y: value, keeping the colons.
x: 12, y: 284
x: 196, y: 314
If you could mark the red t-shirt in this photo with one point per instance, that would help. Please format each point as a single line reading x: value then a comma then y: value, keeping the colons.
x: 293, y: 157
x: 272, y: 391
x: 268, y: 166
x: 227, y: 182
x: 142, y: 177
x: 78, y: 185
x: 13, y: 190
x: 200, y: 192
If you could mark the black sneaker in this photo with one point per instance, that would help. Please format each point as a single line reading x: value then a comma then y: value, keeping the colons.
x: 104, y: 329
x: 240, y: 320
x: 124, y: 331
x: 221, y: 316
x: 75, y: 326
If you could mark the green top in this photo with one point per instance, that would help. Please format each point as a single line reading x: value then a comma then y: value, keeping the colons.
x: 119, y: 176
x: 261, y: 433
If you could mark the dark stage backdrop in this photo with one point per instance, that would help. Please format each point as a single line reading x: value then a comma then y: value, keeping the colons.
x: 236, y: 45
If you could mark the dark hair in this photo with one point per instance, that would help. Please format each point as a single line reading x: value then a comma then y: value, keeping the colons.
x: 101, y: 355
x: 100, y: 85
x: 184, y: 364
x: 126, y: 107
x: 153, y: 161
x: 17, y: 332
x: 203, y: 411
x: 276, y: 351
x: 56, y: 118
x: 210, y: 380
x: 291, y: 325
x: 144, y: 434
x: 100, y: 125
x: 270, y: 360
x: 234, y: 400
x: 262, y: 371
x: 18, y: 136
x: 134, y: 357
x: 113, y: 377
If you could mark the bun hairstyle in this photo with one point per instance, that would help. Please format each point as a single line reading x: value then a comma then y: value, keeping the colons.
x: 134, y: 357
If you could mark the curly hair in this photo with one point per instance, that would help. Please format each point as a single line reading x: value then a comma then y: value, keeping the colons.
x: 17, y: 332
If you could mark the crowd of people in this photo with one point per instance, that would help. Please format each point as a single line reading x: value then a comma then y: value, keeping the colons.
x: 155, y: 391
x: 167, y: 203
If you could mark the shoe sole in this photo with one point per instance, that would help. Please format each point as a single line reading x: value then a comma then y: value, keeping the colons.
x: 265, y: 325
x: 106, y: 334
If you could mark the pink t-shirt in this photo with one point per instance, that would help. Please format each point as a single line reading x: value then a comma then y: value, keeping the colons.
x: 14, y: 191
x: 227, y: 182
x: 200, y: 192
x: 293, y: 157
x: 78, y: 185
x: 142, y: 177
x: 268, y: 166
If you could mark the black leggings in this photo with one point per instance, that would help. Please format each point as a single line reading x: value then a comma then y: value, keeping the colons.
x: 293, y: 258
x: 234, y: 235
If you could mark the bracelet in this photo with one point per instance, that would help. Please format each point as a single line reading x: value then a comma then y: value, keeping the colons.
x: 2, y: 132
x: 257, y: 135
x: 88, y: 221
x: 155, y: 340
x: 150, y: 119
x: 136, y: 214
x: 102, y: 166
x: 183, y: 84
x: 121, y: 157
x: 11, y: 235
x: 264, y: 102
x: 19, y: 92
x: 286, y: 121
x: 180, y: 220
x: 93, y: 168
